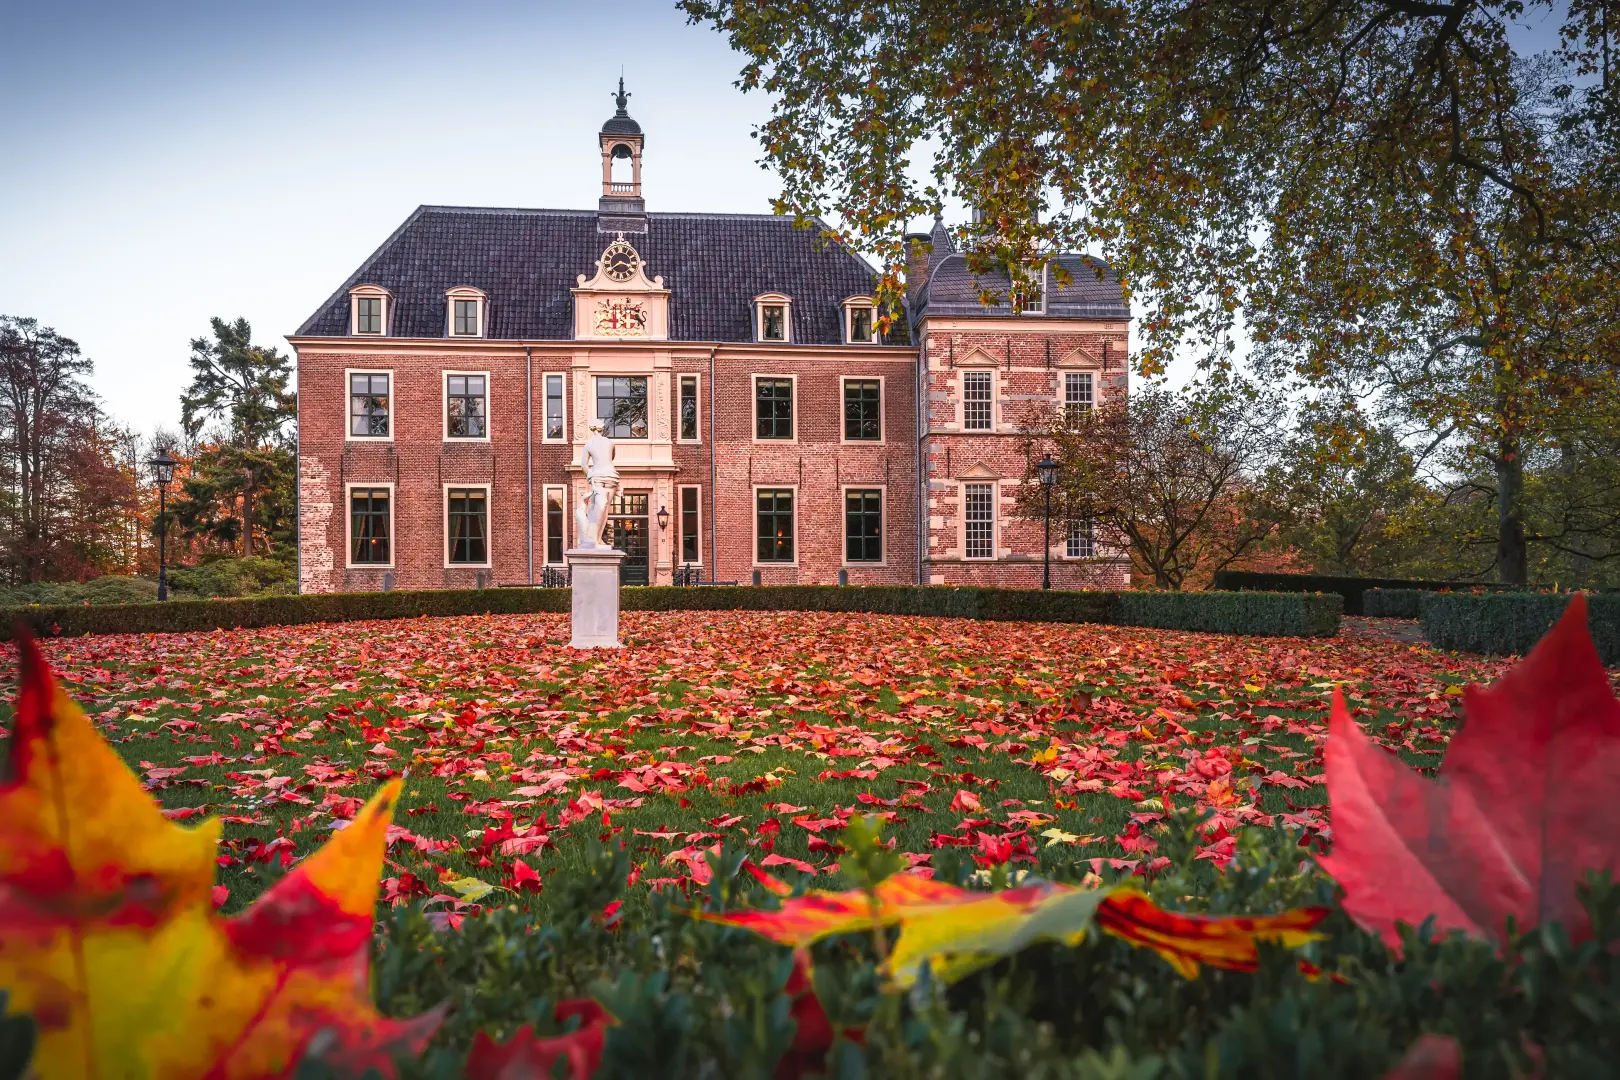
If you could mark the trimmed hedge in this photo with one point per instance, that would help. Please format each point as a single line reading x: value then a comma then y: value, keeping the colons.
x: 1284, y: 614
x: 1391, y: 603
x: 1504, y: 624
x: 1351, y: 588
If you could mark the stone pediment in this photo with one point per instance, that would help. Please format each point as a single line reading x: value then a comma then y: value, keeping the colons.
x: 980, y: 471
x: 619, y: 301
x: 1080, y: 357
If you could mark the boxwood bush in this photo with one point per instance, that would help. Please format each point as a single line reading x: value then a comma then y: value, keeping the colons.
x: 698, y: 1000
x: 1353, y: 589
x: 1234, y: 613
x: 1391, y: 603
x: 1511, y: 623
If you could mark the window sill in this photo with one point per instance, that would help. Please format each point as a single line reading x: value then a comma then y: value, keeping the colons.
x: 369, y: 438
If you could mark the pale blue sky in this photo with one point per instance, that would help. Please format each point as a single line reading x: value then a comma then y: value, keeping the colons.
x: 169, y: 162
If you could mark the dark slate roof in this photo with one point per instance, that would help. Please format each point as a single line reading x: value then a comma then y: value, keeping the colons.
x: 621, y: 124
x: 953, y: 289
x: 528, y: 260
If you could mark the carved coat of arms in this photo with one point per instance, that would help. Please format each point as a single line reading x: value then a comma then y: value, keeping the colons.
x: 621, y: 318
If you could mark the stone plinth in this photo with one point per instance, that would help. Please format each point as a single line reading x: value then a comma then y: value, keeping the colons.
x: 594, y: 578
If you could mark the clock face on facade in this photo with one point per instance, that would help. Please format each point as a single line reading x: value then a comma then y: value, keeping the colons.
x: 621, y: 318
x: 620, y: 261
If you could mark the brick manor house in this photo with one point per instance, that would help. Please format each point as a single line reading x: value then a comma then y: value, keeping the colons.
x: 760, y: 422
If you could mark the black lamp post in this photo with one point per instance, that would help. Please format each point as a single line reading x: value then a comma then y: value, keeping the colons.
x: 1047, y: 470
x: 163, y: 471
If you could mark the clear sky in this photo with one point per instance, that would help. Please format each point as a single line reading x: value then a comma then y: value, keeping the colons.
x: 167, y: 162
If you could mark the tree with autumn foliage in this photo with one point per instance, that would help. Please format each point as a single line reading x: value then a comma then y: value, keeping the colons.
x: 71, y: 495
x: 240, y: 490
x: 1180, y: 478
x: 1392, y: 198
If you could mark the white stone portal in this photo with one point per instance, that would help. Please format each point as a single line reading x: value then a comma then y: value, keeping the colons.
x: 594, y: 577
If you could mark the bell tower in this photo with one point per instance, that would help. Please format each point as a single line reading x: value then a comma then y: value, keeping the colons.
x: 621, y: 208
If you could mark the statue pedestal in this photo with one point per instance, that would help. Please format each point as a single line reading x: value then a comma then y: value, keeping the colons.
x: 594, y: 577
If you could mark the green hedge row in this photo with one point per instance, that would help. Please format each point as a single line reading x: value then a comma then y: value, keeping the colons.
x: 1353, y: 589
x: 1293, y: 615
x: 1504, y: 624
x: 1391, y: 603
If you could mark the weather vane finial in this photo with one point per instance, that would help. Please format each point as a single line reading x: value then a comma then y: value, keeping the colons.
x: 621, y: 98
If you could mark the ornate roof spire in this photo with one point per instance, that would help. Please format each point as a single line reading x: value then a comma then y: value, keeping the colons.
x: 622, y: 98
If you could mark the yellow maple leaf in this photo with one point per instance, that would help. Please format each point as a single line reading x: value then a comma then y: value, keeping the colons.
x: 109, y: 940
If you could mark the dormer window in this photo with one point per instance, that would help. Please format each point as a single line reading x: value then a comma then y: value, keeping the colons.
x: 465, y: 312
x: 859, y: 324
x: 1029, y: 292
x: 368, y: 310
x: 771, y: 317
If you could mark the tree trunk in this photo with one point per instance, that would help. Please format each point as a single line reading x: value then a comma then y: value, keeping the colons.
x: 247, y: 517
x: 1512, y: 563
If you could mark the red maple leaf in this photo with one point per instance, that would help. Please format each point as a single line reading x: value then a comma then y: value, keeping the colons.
x: 1523, y: 808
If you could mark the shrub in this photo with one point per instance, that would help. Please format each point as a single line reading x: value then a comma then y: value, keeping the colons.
x: 1391, y: 603
x: 1351, y: 588
x: 109, y: 589
x: 1275, y: 613
x: 255, y: 576
x: 1266, y: 614
x: 696, y: 999
x: 1511, y: 623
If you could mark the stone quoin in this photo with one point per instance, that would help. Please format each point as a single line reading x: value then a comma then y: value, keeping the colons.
x: 760, y: 421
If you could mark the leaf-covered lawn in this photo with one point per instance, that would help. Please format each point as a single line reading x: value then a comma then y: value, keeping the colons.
x: 767, y: 729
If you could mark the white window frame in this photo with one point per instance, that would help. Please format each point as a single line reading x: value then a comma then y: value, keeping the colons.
x: 1040, y: 308
x: 753, y: 530
x: 465, y: 292
x: 1063, y: 387
x: 489, y: 526
x: 348, y: 395
x: 681, y: 375
x: 995, y: 518
x: 883, y: 420
x: 761, y: 302
x: 850, y: 306
x: 843, y: 525
x: 370, y: 292
x: 678, y: 525
x: 545, y: 526
x: 444, y: 408
x: 348, y: 527
x: 545, y: 390
x: 1069, y: 538
x: 753, y: 412
x: 961, y: 401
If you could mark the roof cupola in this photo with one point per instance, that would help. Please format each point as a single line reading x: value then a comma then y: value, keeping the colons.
x: 621, y: 208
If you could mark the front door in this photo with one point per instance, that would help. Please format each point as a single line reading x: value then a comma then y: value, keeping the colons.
x: 627, y: 531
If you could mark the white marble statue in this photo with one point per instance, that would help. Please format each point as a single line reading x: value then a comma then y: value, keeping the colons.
x: 590, y: 517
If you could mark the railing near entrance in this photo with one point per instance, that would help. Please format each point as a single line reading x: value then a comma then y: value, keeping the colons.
x: 554, y: 577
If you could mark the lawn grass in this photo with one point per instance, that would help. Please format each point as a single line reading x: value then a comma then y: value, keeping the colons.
x: 1065, y: 735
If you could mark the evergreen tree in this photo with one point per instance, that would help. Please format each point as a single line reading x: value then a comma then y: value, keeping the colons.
x: 246, y: 469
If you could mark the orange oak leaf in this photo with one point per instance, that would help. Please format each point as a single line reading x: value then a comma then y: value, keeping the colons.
x: 1521, y: 811
x: 109, y: 939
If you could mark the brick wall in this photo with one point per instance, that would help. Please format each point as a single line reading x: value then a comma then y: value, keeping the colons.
x: 418, y: 462
x: 1026, y: 369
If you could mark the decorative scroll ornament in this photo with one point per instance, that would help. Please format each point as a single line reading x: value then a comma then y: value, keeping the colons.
x: 621, y: 317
